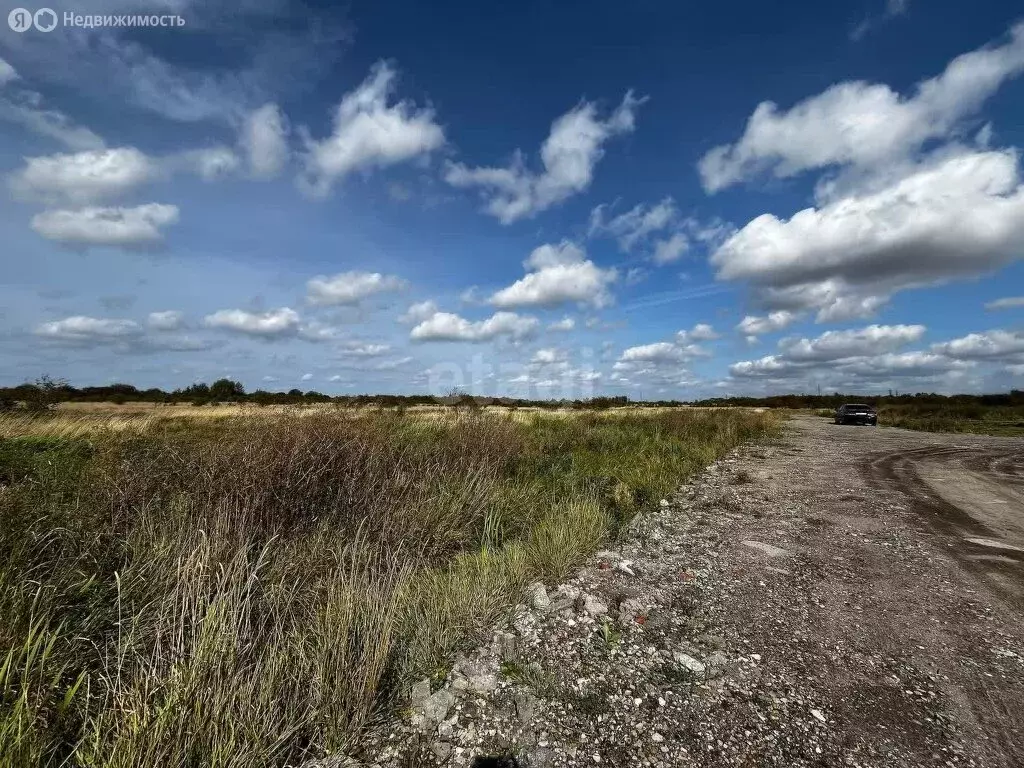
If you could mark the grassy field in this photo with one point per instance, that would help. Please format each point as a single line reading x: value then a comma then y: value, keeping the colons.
x: 971, y: 418
x: 254, y: 589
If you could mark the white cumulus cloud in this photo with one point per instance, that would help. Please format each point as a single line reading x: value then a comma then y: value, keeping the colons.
x: 835, y: 345
x: 84, y: 177
x: 756, y: 325
x: 872, y: 357
x: 168, y: 320
x: 275, y: 323
x: 446, y: 326
x: 863, y: 124
x: 80, y: 328
x: 995, y: 344
x: 558, y: 274
x: 350, y: 287
x: 959, y: 215
x: 699, y: 332
x: 659, y: 352
x: 138, y: 227
x: 369, y: 133
x: 569, y: 156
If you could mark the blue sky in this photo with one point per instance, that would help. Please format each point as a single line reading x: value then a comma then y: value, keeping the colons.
x: 528, y: 199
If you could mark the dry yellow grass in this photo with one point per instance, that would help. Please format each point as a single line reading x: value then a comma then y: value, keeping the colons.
x: 70, y: 420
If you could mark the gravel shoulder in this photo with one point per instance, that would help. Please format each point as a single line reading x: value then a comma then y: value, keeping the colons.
x: 845, y: 596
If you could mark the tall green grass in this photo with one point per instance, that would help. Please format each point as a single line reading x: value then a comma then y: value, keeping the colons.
x: 257, y: 590
x: 967, y: 418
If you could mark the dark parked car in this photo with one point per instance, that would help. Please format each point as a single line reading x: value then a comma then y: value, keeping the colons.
x: 856, y: 413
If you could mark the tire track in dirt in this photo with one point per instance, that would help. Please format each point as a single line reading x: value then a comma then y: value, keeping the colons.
x: 973, y: 496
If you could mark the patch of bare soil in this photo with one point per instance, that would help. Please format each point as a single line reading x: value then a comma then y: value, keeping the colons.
x: 850, y: 596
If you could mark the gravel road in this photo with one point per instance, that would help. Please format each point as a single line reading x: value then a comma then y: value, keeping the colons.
x: 848, y: 596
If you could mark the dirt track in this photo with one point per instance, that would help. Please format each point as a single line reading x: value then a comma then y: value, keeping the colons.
x: 848, y: 596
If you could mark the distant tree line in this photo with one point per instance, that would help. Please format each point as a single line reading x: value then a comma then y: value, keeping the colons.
x: 45, y: 393
x: 1014, y: 398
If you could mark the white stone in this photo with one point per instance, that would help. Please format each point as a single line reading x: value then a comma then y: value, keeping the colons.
x: 768, y: 549
x: 594, y: 607
x: 538, y: 596
x: 689, y: 662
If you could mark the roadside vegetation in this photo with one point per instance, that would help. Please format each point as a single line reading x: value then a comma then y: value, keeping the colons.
x: 255, y: 589
x: 971, y: 417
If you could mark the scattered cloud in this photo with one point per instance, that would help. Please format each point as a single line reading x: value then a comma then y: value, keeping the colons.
x: 550, y: 369
x: 1006, y: 346
x: 129, y: 228
x: 548, y: 356
x: 863, y: 124
x: 661, y: 364
x: 872, y: 357
x: 209, y: 164
x: 167, y: 320
x: 369, y: 133
x: 7, y: 73
x: 418, y: 312
x: 699, y: 332
x: 1010, y: 302
x: 445, y: 326
x: 861, y: 370
x: 636, y: 225
x: 80, y: 328
x: 956, y: 216
x: 658, y: 230
x: 565, y: 324
x: 264, y: 141
x: 755, y: 325
x: 558, y: 274
x: 893, y: 9
x: 124, y: 336
x: 348, y: 288
x: 667, y: 251
x: 25, y: 109
x: 101, y: 175
x: 658, y: 353
x: 471, y: 295
x: 274, y: 324
x: 836, y: 345
x: 363, y: 349
x: 83, y: 177
x: 569, y: 156
x: 636, y: 275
